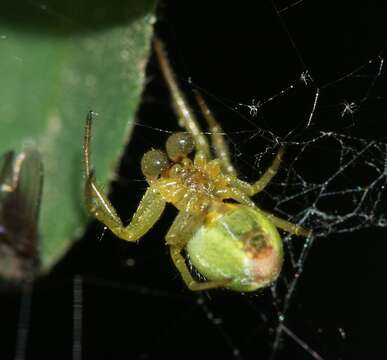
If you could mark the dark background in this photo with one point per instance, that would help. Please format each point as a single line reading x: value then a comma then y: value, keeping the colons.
x: 134, y: 305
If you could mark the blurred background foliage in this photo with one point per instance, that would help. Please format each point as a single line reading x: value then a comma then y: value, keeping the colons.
x: 59, y: 60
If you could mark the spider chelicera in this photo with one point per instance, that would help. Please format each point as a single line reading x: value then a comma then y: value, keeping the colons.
x: 227, y: 238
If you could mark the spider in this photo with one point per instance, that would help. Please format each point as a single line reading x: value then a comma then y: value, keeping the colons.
x: 227, y: 238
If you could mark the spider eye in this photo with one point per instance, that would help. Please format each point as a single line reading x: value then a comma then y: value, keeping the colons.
x: 179, y: 145
x: 153, y: 163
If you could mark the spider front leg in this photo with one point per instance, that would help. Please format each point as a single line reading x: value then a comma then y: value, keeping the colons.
x: 186, y: 116
x: 220, y: 146
x: 177, y: 237
x: 148, y: 212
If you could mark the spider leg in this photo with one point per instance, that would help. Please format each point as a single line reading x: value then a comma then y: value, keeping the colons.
x: 263, y: 181
x: 148, y: 212
x: 221, y: 148
x: 241, y: 197
x: 236, y: 194
x: 186, y: 116
x: 287, y: 226
x: 177, y: 237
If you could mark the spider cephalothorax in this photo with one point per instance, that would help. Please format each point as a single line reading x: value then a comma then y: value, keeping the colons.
x: 190, y: 185
x: 227, y: 238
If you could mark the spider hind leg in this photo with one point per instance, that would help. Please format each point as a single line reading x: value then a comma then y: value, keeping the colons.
x: 177, y: 237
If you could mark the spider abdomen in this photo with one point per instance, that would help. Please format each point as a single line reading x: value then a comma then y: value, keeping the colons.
x: 239, y: 243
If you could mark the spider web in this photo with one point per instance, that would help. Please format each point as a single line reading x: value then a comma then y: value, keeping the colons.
x: 332, y: 181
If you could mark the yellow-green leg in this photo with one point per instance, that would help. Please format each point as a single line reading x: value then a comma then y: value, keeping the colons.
x: 178, y: 235
x: 287, y: 226
x: 263, y: 181
x: 148, y: 212
x: 220, y: 146
x: 235, y: 194
x: 187, y: 118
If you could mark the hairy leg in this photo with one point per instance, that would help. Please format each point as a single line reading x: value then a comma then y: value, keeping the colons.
x: 263, y: 181
x: 148, y: 212
x: 178, y: 235
x: 187, y: 118
x: 287, y: 226
x: 221, y: 148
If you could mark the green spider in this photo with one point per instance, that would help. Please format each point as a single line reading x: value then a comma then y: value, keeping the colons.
x: 227, y: 238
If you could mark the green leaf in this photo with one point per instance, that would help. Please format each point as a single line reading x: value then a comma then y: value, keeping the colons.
x: 59, y: 60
